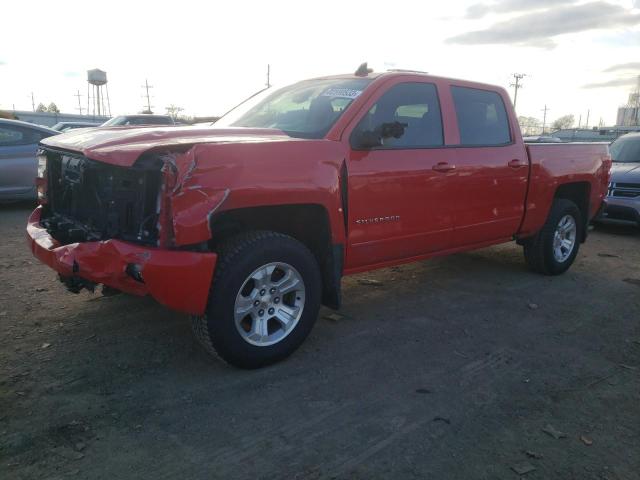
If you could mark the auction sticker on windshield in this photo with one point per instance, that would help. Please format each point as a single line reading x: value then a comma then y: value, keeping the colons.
x: 342, y: 93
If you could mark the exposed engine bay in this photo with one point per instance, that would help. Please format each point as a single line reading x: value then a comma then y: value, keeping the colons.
x: 90, y: 201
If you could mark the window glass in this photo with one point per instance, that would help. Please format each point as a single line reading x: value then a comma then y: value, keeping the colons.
x: 307, y: 109
x: 416, y: 107
x: 482, y: 117
x: 626, y: 149
x: 10, y: 136
x: 18, y: 135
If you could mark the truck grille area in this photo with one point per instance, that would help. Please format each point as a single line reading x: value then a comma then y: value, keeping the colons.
x: 89, y: 200
x: 624, y: 190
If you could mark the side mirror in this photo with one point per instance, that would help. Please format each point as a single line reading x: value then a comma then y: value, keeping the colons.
x: 392, y: 129
x: 367, y: 139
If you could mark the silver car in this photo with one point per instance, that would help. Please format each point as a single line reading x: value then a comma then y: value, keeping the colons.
x: 623, y: 197
x: 18, y: 163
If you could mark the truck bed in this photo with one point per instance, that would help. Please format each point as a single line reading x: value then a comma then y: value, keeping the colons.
x: 553, y: 164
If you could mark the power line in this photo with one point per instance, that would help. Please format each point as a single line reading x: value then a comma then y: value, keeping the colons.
x: 517, y: 85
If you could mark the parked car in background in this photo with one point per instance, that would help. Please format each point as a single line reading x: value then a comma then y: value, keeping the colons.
x: 541, y: 139
x: 623, y: 196
x: 594, y: 134
x: 138, y: 120
x: 18, y: 164
x: 66, y: 126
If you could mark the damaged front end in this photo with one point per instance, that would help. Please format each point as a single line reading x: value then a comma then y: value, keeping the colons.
x: 90, y: 201
x: 107, y: 224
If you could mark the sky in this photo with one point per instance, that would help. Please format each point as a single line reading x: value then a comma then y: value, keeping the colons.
x: 207, y: 56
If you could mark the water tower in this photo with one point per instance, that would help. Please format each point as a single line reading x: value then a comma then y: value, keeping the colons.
x: 98, y: 79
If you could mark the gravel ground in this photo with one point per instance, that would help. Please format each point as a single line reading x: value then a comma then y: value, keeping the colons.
x: 466, y: 367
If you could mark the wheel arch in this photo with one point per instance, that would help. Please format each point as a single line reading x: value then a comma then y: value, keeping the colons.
x: 308, y: 223
x: 579, y: 193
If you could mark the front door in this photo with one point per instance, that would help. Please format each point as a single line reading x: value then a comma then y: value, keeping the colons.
x: 398, y: 194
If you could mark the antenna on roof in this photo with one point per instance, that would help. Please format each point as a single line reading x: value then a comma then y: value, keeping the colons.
x: 363, y: 70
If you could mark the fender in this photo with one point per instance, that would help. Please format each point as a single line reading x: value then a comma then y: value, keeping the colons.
x: 208, y: 179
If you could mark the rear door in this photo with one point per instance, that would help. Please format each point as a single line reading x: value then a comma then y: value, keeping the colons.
x: 492, y: 168
x: 398, y: 192
x: 18, y: 164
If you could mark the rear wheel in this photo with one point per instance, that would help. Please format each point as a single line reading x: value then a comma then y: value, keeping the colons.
x: 264, y: 300
x: 553, y: 250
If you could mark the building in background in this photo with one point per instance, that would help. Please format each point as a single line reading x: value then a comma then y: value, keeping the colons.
x: 629, y: 114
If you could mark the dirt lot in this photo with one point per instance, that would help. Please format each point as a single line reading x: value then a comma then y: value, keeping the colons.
x: 447, y: 369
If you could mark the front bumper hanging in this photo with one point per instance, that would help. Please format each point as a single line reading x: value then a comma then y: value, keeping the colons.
x: 180, y: 280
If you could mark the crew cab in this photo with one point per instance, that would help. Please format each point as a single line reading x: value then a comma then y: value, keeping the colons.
x: 250, y: 224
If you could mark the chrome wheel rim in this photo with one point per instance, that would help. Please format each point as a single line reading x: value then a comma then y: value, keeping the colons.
x: 564, y: 238
x: 269, y: 304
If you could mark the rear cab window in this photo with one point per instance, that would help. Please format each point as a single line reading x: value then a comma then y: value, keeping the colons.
x: 482, y: 117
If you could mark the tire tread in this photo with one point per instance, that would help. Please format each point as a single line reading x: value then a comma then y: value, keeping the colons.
x: 229, y: 252
x: 535, y: 249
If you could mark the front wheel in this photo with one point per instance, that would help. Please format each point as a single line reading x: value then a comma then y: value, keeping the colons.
x: 264, y: 300
x: 553, y: 250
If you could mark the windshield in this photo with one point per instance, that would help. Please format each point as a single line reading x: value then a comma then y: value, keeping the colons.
x: 113, y: 122
x: 307, y: 109
x: 137, y: 120
x: 626, y: 149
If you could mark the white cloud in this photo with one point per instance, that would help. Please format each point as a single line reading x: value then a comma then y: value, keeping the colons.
x: 540, y: 28
x: 479, y: 10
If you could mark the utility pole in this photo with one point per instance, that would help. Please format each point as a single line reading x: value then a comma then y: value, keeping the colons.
x: 516, y: 86
x: 544, y: 118
x: 79, y: 104
x: 587, y: 124
x: 146, y: 86
x: 268, y: 76
x: 638, y: 103
x: 33, y: 102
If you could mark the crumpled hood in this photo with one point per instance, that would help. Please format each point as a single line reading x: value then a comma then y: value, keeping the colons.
x: 626, y: 172
x: 122, y: 146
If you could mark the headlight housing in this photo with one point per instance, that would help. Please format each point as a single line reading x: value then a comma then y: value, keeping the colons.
x: 41, y: 179
x: 42, y: 164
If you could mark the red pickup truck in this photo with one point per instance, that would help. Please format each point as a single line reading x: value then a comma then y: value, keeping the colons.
x: 250, y: 224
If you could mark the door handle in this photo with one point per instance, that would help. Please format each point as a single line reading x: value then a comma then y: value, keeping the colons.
x: 443, y: 167
x: 515, y: 163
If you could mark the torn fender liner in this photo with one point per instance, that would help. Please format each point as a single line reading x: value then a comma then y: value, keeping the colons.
x: 178, y: 279
x: 192, y: 209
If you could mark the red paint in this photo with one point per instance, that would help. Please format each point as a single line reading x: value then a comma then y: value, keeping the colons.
x: 180, y: 280
x: 491, y: 196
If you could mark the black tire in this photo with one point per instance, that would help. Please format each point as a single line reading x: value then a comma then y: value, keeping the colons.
x: 538, y: 251
x: 238, y: 258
